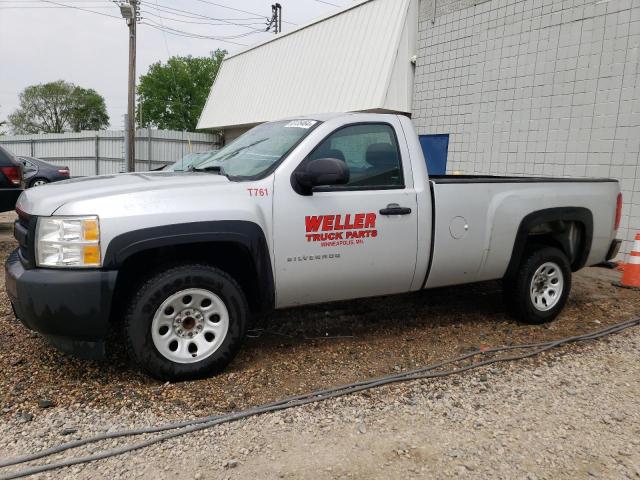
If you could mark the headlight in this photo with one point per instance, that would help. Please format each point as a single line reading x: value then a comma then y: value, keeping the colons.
x: 68, y: 242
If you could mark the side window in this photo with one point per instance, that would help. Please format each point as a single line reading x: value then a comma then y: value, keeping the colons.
x: 370, y: 151
x: 28, y: 166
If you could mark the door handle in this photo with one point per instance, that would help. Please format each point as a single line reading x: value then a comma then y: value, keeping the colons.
x: 395, y: 209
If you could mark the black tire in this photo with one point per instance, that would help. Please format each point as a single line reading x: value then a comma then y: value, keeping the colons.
x: 38, y: 179
x: 517, y: 289
x: 161, y: 286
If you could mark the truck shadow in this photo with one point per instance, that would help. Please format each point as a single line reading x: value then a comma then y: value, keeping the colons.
x: 429, y: 308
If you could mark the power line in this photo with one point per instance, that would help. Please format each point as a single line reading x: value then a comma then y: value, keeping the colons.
x: 196, y: 15
x: 6, y: 4
x: 44, y: 7
x: 147, y: 12
x: 81, y: 9
x: 41, y: 1
x: 175, y: 81
x: 189, y: 14
x: 179, y: 13
x: 32, y: 2
x: 187, y: 35
x: 328, y: 3
x: 201, y: 35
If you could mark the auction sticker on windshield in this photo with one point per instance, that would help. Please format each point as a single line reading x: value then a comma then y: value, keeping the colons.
x: 301, y: 124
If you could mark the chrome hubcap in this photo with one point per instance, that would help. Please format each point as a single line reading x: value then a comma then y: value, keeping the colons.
x: 38, y: 183
x: 190, y: 325
x: 546, y: 286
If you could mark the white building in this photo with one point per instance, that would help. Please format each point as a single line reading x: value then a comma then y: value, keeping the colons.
x: 505, y: 87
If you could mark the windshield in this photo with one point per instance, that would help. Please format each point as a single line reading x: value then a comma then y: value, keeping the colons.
x: 259, y: 150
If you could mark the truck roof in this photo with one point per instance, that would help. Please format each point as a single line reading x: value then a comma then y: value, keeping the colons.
x: 322, y: 117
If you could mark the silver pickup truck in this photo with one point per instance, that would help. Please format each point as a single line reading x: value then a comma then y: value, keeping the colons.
x: 294, y: 212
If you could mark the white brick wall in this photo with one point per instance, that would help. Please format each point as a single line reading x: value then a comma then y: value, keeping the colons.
x: 535, y: 87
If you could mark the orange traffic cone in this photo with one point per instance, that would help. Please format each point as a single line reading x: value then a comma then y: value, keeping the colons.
x: 631, y: 275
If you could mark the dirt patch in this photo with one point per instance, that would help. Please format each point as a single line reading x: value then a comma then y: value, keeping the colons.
x: 300, y: 349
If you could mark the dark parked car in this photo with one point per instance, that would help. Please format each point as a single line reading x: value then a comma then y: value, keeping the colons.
x: 38, y: 172
x: 11, y: 181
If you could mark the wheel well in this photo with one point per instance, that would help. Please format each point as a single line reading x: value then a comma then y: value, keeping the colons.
x: 568, y: 229
x: 232, y: 258
x: 567, y: 236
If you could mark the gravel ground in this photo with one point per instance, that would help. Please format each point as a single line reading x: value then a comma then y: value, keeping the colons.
x: 541, y: 418
x: 573, y: 413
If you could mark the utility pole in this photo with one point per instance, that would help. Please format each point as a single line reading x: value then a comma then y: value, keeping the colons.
x: 131, y: 14
x: 276, y: 18
x: 131, y: 103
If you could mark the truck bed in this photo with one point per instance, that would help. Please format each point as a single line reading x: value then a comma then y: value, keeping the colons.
x: 476, y: 219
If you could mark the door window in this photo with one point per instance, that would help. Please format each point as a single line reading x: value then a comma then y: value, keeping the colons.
x: 371, y: 153
x: 28, y: 166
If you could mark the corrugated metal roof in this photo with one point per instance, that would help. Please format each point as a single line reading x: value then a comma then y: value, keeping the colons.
x: 357, y: 59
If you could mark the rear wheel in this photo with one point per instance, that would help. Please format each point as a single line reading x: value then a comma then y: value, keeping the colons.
x: 37, y: 182
x: 537, y: 293
x: 186, y: 322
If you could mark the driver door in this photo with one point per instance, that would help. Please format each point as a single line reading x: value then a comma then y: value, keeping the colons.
x: 353, y: 240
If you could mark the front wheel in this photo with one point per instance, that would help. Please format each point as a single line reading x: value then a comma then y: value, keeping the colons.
x: 186, y: 322
x: 537, y: 293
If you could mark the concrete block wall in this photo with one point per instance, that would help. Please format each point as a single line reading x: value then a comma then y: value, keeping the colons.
x: 535, y: 87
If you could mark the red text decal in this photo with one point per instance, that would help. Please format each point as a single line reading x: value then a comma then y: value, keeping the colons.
x: 340, y: 230
x: 258, y: 192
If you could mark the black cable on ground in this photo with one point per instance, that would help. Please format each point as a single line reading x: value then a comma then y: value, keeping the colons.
x: 189, y: 426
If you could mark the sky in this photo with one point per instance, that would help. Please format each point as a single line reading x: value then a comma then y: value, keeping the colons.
x: 41, y: 41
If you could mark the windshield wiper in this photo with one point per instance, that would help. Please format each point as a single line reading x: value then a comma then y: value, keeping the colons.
x: 237, y: 151
x: 211, y: 168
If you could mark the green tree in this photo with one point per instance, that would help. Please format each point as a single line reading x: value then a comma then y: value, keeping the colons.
x: 88, y: 110
x: 172, y: 95
x: 57, y: 107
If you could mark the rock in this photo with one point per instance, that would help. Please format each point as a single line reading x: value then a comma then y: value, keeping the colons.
x: 68, y: 431
x: 45, y: 403
x: 24, y: 417
x: 16, y: 361
x: 233, y: 463
x: 362, y: 428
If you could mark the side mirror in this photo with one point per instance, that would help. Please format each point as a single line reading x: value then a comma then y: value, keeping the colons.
x: 318, y: 173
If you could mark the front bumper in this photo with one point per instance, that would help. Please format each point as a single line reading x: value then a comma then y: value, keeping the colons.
x: 70, y: 308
